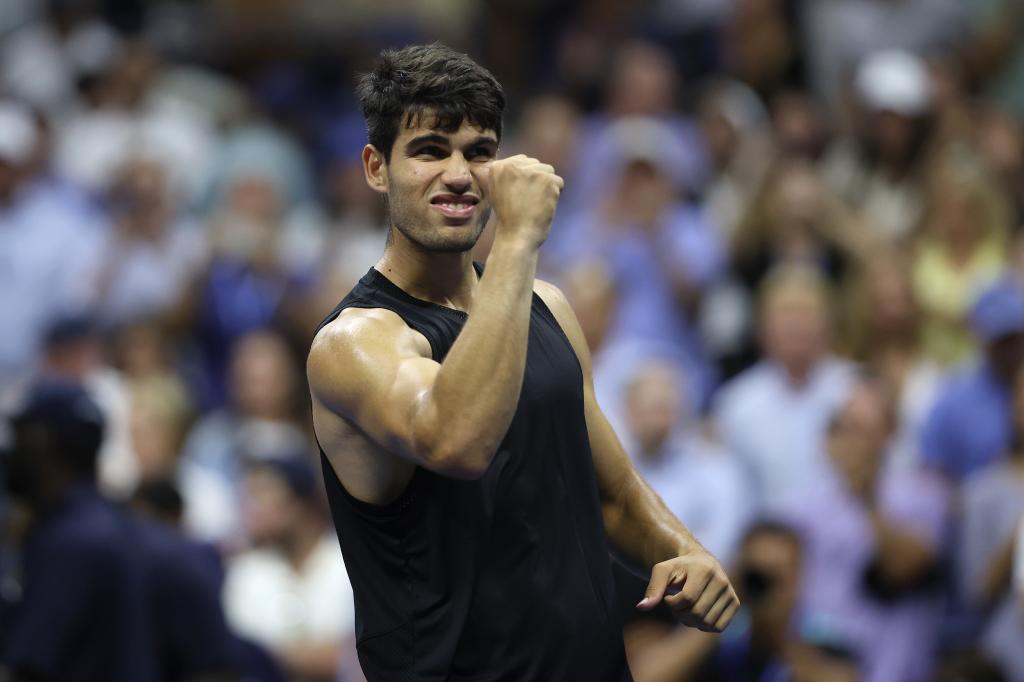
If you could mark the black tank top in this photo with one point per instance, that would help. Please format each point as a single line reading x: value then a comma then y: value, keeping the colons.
x: 507, y: 577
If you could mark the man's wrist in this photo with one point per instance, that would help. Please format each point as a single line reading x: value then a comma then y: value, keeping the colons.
x: 516, y: 240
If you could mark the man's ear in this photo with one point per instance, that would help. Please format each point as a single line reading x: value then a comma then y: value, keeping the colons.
x: 375, y: 168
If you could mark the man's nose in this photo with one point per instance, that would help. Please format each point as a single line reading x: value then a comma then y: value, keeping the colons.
x: 457, y: 176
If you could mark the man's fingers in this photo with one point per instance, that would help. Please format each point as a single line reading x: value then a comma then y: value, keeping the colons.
x: 708, y: 599
x: 661, y: 576
x: 725, y: 599
x: 686, y: 599
x: 723, y: 622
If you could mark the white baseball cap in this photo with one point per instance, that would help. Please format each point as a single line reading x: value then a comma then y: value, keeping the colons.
x: 894, y: 80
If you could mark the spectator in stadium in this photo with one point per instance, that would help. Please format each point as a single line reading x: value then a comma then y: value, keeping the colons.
x: 994, y: 54
x: 151, y: 253
x: 961, y: 251
x: 77, y: 553
x: 49, y: 248
x: 158, y: 419
x: 872, y: 539
x: 970, y: 425
x: 795, y: 218
x: 993, y: 511
x: 81, y: 555
x: 290, y: 592
x: 761, y: 47
x: 773, y: 416
x: 247, y: 284
x: 882, y: 330
x: 346, y: 234
x: 735, y: 124
x: 662, y: 252
x: 880, y: 173
x: 699, y: 481
x: 262, y: 420
x: 841, y: 34
x: 1000, y: 144
x: 72, y: 349
x: 50, y: 55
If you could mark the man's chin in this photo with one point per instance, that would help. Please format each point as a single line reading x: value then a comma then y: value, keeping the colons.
x: 452, y: 246
x: 450, y: 238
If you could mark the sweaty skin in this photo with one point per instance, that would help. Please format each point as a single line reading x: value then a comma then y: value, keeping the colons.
x: 382, y: 406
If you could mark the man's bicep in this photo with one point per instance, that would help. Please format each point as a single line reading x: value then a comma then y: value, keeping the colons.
x: 371, y: 374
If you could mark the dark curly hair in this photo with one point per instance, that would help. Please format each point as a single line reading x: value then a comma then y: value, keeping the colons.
x: 406, y: 82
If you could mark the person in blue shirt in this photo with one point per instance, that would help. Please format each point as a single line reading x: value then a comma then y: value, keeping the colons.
x: 76, y: 611
x: 970, y: 426
x: 101, y: 594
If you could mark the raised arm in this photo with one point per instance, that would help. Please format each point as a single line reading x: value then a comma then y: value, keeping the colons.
x: 370, y: 369
x: 636, y: 519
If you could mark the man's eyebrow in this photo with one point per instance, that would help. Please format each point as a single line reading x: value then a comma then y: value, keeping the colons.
x: 484, y: 140
x: 428, y: 137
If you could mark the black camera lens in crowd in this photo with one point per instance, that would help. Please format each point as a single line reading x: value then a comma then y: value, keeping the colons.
x: 756, y: 585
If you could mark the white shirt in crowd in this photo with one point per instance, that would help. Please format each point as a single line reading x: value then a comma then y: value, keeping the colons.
x: 703, y: 486
x: 267, y: 600
x: 776, y: 429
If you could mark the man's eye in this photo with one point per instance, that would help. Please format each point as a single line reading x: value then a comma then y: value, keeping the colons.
x: 482, y: 154
x: 433, y: 151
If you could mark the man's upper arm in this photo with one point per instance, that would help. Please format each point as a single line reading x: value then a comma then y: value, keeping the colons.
x: 612, y: 464
x: 369, y: 368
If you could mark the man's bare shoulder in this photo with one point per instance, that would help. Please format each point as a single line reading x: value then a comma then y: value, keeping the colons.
x: 356, y: 330
x: 559, y: 306
x: 552, y: 296
x: 356, y: 341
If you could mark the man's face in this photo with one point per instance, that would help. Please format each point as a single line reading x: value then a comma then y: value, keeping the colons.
x: 653, y: 406
x: 860, y: 434
x: 794, y: 330
x: 435, y: 184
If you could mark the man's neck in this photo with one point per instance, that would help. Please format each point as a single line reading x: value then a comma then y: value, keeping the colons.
x: 797, y: 375
x: 447, y: 279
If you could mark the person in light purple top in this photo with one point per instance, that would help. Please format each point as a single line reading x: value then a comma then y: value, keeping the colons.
x: 871, y: 539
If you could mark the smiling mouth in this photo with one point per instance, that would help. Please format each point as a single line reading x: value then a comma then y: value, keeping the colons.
x: 454, y: 206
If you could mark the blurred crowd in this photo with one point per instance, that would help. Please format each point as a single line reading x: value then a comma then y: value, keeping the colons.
x: 792, y: 230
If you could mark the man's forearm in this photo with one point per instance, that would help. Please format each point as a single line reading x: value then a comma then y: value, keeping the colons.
x: 477, y: 387
x: 639, y: 524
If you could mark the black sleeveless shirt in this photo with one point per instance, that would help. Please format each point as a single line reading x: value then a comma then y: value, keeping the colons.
x: 507, y: 577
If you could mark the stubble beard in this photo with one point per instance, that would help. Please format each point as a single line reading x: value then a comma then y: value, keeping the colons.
x: 429, y: 238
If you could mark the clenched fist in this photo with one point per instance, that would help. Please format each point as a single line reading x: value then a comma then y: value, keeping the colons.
x: 523, y: 193
x: 705, y: 599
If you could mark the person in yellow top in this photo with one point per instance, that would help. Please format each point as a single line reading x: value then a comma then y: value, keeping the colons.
x: 961, y: 250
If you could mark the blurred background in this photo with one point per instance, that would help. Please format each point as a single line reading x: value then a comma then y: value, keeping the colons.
x: 791, y: 230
